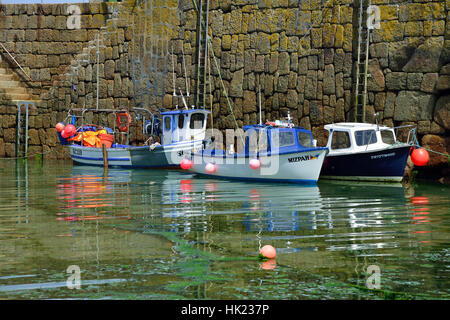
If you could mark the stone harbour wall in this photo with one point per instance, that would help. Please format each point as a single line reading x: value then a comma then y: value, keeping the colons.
x: 62, y: 64
x: 302, y: 54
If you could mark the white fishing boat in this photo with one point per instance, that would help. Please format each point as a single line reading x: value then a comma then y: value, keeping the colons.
x: 364, y: 152
x: 273, y: 152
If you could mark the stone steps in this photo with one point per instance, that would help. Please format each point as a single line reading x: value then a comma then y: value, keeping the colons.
x: 11, y: 88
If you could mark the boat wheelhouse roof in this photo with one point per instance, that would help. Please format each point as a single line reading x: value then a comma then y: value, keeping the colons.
x: 353, y: 126
x: 270, y: 127
x: 183, y: 111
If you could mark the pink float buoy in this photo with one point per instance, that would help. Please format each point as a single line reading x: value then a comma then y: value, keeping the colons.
x: 268, y: 252
x: 210, y: 168
x: 185, y: 164
x: 255, y: 164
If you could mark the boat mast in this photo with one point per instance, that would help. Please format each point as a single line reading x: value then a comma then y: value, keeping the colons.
x: 98, y: 58
x: 260, y: 114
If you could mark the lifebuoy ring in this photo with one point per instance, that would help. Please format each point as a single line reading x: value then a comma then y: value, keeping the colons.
x: 123, y: 120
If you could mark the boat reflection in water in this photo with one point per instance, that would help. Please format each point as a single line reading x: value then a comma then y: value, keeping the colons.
x: 87, y: 193
x: 329, y: 216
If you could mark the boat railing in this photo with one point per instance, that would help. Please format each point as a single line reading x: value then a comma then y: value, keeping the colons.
x: 411, y: 133
x: 115, y: 111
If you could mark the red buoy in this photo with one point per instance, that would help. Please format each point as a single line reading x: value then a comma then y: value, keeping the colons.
x: 185, y: 164
x: 65, y: 134
x: 60, y: 126
x: 420, y: 157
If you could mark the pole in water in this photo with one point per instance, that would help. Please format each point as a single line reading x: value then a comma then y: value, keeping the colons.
x: 98, y: 58
x: 105, y: 158
x: 173, y: 75
x: 260, y: 115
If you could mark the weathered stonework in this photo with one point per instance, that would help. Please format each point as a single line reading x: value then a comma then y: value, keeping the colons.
x: 300, y: 53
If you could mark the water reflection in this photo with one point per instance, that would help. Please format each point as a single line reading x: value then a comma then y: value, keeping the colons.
x: 87, y: 193
x: 53, y: 216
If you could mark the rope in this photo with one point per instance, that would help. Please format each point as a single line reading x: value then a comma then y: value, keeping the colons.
x: 416, y: 144
x: 224, y: 90
x: 220, y: 77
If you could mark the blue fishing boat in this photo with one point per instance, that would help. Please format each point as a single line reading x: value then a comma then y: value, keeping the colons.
x: 273, y: 152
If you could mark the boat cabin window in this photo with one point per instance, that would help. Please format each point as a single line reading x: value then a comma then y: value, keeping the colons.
x: 167, y: 123
x: 365, y: 137
x: 340, y: 140
x: 387, y: 136
x: 287, y: 138
x: 256, y: 140
x: 197, y: 121
x: 305, y: 139
x: 181, y: 121
x: 262, y: 140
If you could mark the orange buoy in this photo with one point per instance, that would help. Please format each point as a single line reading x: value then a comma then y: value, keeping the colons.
x: 420, y: 157
x: 268, y: 251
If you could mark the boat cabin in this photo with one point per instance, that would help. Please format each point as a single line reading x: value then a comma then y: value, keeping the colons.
x: 183, y: 125
x: 276, y: 139
x: 348, y: 137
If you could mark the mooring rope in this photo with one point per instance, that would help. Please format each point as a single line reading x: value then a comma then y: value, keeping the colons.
x: 416, y: 144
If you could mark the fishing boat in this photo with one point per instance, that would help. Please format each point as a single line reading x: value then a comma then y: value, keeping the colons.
x: 170, y: 135
x: 364, y: 152
x: 183, y: 130
x: 274, y: 152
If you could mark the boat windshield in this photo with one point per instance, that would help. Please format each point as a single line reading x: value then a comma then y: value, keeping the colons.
x: 387, y: 136
x: 340, y: 140
x: 287, y: 138
x: 197, y: 121
x: 365, y: 137
x: 305, y: 139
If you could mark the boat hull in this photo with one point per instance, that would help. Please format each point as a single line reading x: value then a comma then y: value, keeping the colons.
x: 117, y: 157
x: 134, y: 157
x: 295, y: 167
x: 386, y: 165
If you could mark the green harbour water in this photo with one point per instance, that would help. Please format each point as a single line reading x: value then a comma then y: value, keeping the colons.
x: 167, y: 234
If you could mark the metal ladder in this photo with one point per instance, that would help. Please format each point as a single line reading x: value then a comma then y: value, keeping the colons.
x: 22, y: 127
x: 202, y: 51
x: 362, y: 62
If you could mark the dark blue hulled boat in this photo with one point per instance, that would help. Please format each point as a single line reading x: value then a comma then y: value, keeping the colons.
x: 366, y: 152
